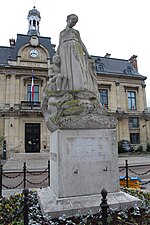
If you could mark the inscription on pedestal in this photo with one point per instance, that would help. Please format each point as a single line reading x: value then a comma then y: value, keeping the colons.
x: 90, y: 148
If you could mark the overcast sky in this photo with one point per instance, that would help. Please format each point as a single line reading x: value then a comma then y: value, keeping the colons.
x: 119, y: 27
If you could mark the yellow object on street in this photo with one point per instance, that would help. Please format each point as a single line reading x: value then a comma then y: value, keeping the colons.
x: 133, y: 182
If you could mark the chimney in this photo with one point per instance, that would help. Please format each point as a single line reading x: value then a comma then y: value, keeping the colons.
x: 107, y: 55
x: 133, y: 61
x: 12, y: 42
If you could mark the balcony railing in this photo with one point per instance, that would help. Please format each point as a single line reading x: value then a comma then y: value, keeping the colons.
x: 30, y: 105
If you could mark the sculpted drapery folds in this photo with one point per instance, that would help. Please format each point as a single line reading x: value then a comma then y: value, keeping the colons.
x: 77, y: 69
x: 71, y: 98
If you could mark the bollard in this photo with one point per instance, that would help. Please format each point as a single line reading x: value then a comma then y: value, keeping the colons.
x: 127, y: 177
x: 1, y: 174
x: 104, y: 206
x: 25, y: 209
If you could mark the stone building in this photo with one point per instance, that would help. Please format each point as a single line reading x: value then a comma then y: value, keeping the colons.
x: 21, y: 120
x: 122, y: 91
x: 28, y: 60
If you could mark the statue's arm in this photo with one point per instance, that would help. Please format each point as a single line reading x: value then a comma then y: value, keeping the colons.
x: 83, y: 46
x: 59, y: 43
x: 61, y: 37
x: 57, y: 51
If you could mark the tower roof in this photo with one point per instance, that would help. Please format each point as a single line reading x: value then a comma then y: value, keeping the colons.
x: 34, y: 12
x: 34, y: 22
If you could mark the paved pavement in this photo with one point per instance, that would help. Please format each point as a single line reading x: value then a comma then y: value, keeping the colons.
x: 134, y: 160
x: 33, y: 165
x: 37, y: 164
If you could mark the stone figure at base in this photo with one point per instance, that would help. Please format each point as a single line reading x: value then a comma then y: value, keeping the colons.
x: 75, y: 61
x: 57, y: 80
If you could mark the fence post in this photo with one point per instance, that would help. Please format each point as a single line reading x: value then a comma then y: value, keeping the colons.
x: 127, y: 177
x: 4, y: 150
x: 25, y: 209
x: 104, y: 206
x: 1, y: 175
x: 24, y: 175
x: 48, y: 172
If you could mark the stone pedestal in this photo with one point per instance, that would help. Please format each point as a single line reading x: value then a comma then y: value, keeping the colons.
x: 54, y: 206
x: 83, y: 154
x: 83, y: 162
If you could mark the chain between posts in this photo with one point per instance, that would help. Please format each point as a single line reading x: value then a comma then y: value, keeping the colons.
x: 127, y: 178
x: 139, y: 174
x: 24, y: 180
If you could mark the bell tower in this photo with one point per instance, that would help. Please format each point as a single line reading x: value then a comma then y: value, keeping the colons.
x: 34, y: 22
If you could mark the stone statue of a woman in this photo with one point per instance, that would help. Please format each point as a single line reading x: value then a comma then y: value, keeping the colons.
x: 75, y: 61
x: 71, y: 98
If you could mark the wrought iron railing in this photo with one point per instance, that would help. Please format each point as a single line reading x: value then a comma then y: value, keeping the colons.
x: 29, y: 104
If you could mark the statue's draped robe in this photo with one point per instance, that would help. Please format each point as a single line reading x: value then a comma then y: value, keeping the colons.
x: 73, y: 62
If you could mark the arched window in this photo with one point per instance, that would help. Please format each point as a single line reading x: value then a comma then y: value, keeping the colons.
x: 128, y: 70
x: 100, y: 67
x: 34, y: 23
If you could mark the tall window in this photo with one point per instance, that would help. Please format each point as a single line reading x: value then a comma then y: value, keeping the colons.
x: 133, y: 122
x: 134, y: 138
x: 104, y: 97
x: 131, y: 100
x: 36, y: 93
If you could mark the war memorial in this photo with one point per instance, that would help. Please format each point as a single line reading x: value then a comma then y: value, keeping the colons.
x: 83, y: 148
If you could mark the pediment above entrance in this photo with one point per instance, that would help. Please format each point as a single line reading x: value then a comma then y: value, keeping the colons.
x: 37, y: 79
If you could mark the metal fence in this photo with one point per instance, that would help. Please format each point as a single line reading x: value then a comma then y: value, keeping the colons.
x: 25, y: 179
x: 26, y: 211
x: 128, y: 169
x: 30, y: 216
x: 104, y: 207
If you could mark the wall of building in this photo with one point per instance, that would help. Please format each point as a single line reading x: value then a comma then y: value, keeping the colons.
x: 118, y: 88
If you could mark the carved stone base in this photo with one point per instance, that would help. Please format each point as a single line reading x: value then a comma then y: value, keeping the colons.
x: 75, y: 110
x: 55, y: 207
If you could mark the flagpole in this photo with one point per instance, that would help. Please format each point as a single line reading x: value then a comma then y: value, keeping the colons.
x: 32, y: 87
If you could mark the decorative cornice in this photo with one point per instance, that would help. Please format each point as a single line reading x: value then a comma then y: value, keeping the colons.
x: 21, y: 113
x: 125, y: 115
x: 8, y: 76
x: 143, y: 85
x: 128, y: 88
x: 117, y: 83
x: 36, y: 80
x: 17, y: 76
x: 108, y: 86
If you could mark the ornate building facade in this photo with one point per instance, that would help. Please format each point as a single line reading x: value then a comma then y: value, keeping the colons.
x: 122, y: 91
x: 21, y: 120
x: 29, y: 59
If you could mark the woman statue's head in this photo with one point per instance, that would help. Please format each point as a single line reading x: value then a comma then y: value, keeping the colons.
x: 72, y: 19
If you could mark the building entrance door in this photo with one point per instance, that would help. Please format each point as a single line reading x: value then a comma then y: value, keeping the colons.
x: 32, y: 137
